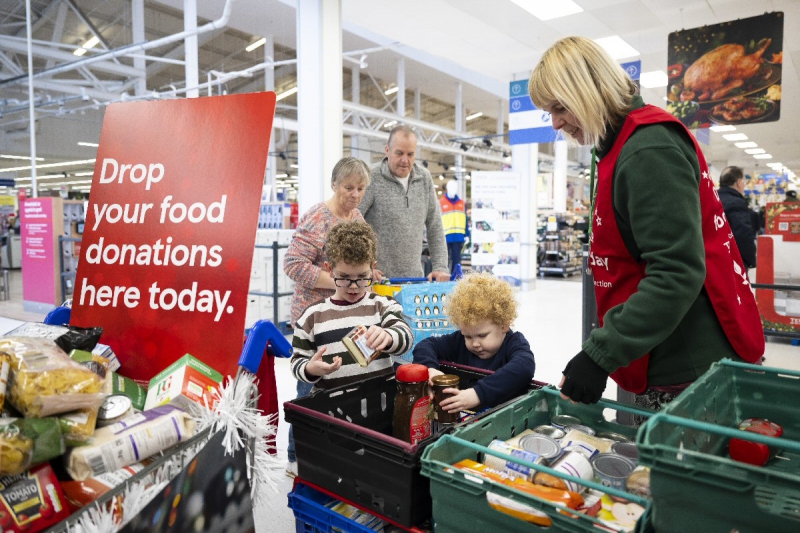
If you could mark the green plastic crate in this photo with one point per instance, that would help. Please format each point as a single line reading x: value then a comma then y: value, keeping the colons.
x: 459, y: 500
x: 695, y: 484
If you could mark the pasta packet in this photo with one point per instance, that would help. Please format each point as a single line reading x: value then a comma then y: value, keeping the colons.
x: 26, y: 442
x: 44, y: 381
x: 78, y: 426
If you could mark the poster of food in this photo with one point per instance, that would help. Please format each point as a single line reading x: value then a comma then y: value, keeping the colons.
x: 727, y: 74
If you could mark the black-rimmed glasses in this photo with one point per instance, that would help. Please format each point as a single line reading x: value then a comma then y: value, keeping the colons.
x: 347, y: 282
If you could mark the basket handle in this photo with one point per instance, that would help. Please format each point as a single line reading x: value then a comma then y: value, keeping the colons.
x: 759, y: 368
x: 539, y: 468
x: 781, y: 444
x: 263, y: 333
x: 407, y: 280
x: 607, y: 404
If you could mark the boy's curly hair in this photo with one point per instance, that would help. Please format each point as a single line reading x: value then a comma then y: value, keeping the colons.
x: 353, y: 242
x: 479, y: 297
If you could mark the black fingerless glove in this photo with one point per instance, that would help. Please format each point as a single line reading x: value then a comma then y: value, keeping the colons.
x: 584, y: 380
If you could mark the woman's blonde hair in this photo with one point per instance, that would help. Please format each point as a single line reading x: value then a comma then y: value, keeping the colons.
x: 579, y: 75
x: 479, y: 297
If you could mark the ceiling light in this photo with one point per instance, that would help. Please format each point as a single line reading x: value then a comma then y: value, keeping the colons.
x: 616, y: 47
x: 753, y: 151
x: 91, y: 145
x: 391, y: 90
x: 91, y: 43
x: 656, y: 78
x: 719, y: 129
x: 286, y: 94
x: 474, y: 115
x: 87, y: 173
x: 50, y: 165
x: 253, y: 46
x: 22, y: 157
x: 79, y: 52
x: 763, y: 156
x: 294, y: 165
x: 747, y: 144
x: 282, y: 175
x: 549, y: 10
x: 775, y: 165
x: 390, y: 124
x: 735, y: 137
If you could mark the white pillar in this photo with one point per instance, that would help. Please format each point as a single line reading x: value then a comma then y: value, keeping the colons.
x: 401, y: 87
x: 525, y: 162
x: 501, y: 115
x: 137, y: 27
x: 560, y: 177
x: 190, y: 43
x: 269, y: 85
x: 460, y: 127
x: 417, y: 103
x: 319, y: 97
x: 31, y: 103
x: 359, y: 146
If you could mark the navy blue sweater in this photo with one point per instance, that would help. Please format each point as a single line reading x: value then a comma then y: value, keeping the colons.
x: 513, y: 364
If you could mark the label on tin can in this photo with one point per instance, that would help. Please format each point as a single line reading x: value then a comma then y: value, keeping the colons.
x: 510, y: 467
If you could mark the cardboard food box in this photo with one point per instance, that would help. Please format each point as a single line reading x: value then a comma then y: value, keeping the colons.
x: 186, y: 380
x: 32, y: 501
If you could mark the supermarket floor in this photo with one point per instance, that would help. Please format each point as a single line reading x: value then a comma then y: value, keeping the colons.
x: 549, y: 317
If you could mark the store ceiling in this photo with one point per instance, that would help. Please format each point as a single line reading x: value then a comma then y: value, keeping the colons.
x: 483, y: 44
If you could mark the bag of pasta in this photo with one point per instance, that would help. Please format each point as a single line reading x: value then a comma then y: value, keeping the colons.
x: 26, y: 442
x: 44, y: 381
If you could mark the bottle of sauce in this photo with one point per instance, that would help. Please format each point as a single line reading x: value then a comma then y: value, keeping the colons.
x: 411, y: 404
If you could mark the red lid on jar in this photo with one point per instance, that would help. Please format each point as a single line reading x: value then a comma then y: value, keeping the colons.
x: 412, y: 373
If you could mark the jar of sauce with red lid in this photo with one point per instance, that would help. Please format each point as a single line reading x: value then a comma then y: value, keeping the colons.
x: 412, y: 404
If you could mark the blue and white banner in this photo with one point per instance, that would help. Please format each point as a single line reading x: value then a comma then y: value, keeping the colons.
x: 633, y: 68
x: 526, y: 123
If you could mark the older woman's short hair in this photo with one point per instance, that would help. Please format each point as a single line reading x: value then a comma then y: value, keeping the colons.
x: 578, y: 74
x: 347, y: 167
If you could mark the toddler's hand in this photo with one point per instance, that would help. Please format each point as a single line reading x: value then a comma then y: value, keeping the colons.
x: 317, y: 367
x: 432, y: 373
x: 460, y: 401
x: 378, y: 338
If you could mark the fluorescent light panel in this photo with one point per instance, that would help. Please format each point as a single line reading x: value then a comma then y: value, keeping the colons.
x: 50, y: 165
x: 720, y: 129
x: 90, y: 145
x: 91, y: 43
x: 735, y: 137
x: 763, y: 156
x: 616, y: 47
x: 543, y: 10
x: 747, y: 144
x: 258, y: 43
x: 391, y: 90
x: 753, y: 151
x: 475, y: 115
x: 656, y: 78
x: 21, y: 157
x: 286, y: 94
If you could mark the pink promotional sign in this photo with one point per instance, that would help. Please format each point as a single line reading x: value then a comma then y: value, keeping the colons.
x: 38, y: 253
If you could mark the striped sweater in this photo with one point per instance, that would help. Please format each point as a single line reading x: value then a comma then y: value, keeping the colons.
x: 325, y: 323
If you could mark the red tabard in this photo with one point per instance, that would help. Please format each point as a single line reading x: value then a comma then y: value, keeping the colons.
x: 617, y: 274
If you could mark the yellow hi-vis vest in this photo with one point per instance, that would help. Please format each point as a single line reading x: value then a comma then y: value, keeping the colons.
x: 454, y: 216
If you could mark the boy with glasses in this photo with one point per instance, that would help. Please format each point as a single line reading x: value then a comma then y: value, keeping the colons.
x: 320, y: 356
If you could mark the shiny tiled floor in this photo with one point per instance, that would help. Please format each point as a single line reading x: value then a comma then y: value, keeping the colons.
x: 549, y: 317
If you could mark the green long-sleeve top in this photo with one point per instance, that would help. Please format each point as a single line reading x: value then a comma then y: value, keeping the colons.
x: 657, y: 209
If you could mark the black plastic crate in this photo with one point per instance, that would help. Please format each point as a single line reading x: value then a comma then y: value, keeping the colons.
x: 344, y: 444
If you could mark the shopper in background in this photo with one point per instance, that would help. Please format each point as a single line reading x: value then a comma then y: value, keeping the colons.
x: 483, y: 308
x: 791, y: 196
x: 305, y: 258
x: 320, y: 358
x: 672, y: 291
x: 400, y: 203
x: 738, y: 212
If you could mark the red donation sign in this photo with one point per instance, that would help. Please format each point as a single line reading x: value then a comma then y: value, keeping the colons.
x: 169, y: 235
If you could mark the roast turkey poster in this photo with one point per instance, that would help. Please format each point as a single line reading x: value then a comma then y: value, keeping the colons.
x: 168, y: 242
x: 727, y: 74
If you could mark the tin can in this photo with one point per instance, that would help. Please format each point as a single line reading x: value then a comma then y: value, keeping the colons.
x: 550, y: 431
x: 542, y: 445
x: 750, y: 452
x: 571, y: 463
x: 510, y: 467
x: 626, y: 449
x: 610, y: 435
x: 581, y: 428
x: 612, y: 470
x: 445, y: 381
x: 113, y: 409
x: 562, y: 421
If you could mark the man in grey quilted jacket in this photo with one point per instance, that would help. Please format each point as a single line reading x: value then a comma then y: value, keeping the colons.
x: 399, y: 204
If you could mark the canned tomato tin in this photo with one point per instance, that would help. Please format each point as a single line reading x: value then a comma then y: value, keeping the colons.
x: 562, y: 421
x: 610, y: 435
x: 750, y: 452
x: 542, y: 445
x: 550, y: 431
x: 626, y: 449
x: 581, y: 428
x: 113, y: 409
x: 612, y: 470
x: 510, y: 467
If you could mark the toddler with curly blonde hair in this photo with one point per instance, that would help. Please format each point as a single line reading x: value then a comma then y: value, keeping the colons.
x: 483, y: 308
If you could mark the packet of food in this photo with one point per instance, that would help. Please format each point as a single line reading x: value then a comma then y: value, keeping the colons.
x: 31, y: 502
x: 26, y: 442
x: 82, y: 493
x: 130, y: 440
x: 76, y: 338
x: 44, y: 381
x: 78, y: 427
x: 5, y: 370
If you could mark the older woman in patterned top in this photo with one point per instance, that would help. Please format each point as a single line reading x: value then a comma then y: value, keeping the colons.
x: 305, y: 257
